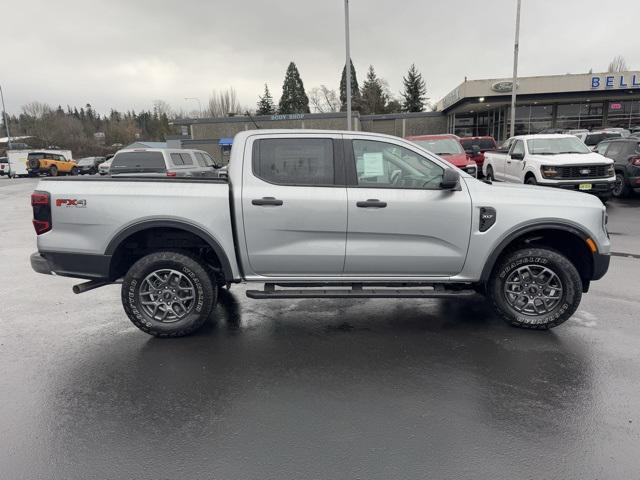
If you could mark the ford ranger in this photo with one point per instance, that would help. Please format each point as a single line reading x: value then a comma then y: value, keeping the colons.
x: 330, y: 214
x: 552, y: 160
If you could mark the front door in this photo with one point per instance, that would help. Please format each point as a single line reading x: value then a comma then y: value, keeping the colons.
x: 515, y: 163
x: 401, y: 223
x: 294, y: 203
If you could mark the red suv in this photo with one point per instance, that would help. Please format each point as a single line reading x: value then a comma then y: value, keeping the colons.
x: 448, y: 147
x: 482, y: 144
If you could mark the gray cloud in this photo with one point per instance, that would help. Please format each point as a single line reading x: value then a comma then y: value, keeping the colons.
x: 125, y: 54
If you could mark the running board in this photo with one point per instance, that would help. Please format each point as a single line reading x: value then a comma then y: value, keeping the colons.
x: 437, y: 291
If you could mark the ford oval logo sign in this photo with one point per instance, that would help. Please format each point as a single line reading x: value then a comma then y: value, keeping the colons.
x: 585, y: 171
x: 503, y: 87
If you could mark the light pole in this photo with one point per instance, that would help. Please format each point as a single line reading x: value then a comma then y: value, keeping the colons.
x: 197, y: 100
x: 347, y: 65
x: 514, y: 83
x: 4, y: 117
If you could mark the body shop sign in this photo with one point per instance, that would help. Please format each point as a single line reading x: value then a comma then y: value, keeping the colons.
x: 615, y: 81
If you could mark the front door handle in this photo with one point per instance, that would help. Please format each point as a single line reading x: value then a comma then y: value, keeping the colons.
x: 267, y: 201
x: 372, y: 203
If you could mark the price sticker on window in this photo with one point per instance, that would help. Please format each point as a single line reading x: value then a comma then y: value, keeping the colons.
x: 373, y: 164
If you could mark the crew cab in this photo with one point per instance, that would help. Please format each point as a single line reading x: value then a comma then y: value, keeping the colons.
x: 552, y: 160
x: 448, y: 147
x: 321, y: 214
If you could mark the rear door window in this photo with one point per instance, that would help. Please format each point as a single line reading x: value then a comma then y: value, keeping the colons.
x: 294, y: 161
x: 138, y: 162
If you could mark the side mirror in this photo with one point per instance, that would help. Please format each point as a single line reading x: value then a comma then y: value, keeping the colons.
x: 517, y: 156
x: 450, y: 179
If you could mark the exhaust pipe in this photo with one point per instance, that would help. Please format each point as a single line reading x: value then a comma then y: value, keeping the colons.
x: 90, y: 285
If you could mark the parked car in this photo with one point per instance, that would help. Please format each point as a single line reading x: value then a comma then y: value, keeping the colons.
x: 89, y: 165
x: 625, y: 153
x: 51, y: 162
x: 165, y: 162
x: 4, y: 166
x: 417, y: 228
x: 591, y: 139
x: 481, y: 144
x: 103, y: 168
x: 560, y: 161
x: 448, y: 147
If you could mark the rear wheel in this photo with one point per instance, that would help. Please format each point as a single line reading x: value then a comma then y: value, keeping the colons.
x: 535, y: 288
x: 620, y: 188
x: 53, y: 171
x: 168, y: 294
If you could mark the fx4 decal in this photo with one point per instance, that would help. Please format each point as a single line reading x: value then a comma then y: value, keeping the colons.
x: 71, y: 202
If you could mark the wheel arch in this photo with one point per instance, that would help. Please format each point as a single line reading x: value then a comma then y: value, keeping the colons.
x: 550, y: 233
x: 147, y: 225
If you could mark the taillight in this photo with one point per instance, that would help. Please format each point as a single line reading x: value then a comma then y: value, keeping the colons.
x: 41, y: 204
x: 635, y: 161
x: 171, y: 174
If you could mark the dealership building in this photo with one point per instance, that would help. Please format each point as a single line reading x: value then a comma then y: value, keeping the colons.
x: 475, y: 107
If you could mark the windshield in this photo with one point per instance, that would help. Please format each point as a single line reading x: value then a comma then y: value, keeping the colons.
x: 482, y: 143
x: 4, y: 160
x: 138, y: 162
x: 555, y: 146
x: 441, y: 146
x: 596, y: 138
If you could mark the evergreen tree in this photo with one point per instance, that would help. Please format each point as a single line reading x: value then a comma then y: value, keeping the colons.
x: 265, y: 103
x: 356, y: 103
x: 415, y: 90
x: 374, y: 99
x: 294, y: 99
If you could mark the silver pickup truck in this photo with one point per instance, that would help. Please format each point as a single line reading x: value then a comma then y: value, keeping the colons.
x: 321, y: 214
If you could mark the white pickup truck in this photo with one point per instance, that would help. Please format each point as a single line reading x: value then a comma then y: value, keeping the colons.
x: 552, y: 160
x: 321, y: 214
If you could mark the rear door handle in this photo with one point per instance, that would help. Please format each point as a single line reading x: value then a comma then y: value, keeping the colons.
x: 372, y: 203
x: 267, y: 201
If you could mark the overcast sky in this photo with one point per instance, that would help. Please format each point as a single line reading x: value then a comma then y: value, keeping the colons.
x: 126, y: 53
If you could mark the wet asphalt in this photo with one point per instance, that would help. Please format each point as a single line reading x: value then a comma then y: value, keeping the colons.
x: 315, y: 389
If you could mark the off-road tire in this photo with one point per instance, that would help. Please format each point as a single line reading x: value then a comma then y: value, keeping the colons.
x: 545, y: 257
x: 206, y: 293
x: 75, y: 171
x: 53, y: 171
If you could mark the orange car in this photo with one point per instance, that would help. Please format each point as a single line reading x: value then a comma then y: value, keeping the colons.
x: 53, y: 163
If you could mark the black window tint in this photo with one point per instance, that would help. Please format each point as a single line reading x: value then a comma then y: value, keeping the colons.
x: 38, y: 156
x: 138, y: 162
x: 4, y: 160
x: 176, y: 159
x: 186, y: 159
x: 289, y: 161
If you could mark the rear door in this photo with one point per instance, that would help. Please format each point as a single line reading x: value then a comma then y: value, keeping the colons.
x: 401, y: 223
x: 294, y: 205
x: 499, y: 158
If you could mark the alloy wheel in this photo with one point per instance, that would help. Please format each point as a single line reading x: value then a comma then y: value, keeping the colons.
x: 533, y: 290
x: 167, y: 295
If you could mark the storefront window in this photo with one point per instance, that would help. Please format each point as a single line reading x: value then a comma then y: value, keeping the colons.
x: 580, y: 115
x: 623, y: 114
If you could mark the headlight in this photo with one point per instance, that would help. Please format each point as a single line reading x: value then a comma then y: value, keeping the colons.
x: 472, y: 170
x: 611, y: 171
x: 549, y: 171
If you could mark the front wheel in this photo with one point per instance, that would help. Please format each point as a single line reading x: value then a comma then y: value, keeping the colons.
x: 168, y: 294
x: 531, y: 180
x: 535, y: 288
x: 75, y: 171
x: 489, y: 176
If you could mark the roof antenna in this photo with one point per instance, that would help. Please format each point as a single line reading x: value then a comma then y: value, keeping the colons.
x: 254, y: 122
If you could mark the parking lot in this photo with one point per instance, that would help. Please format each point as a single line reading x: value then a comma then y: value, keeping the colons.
x: 315, y: 388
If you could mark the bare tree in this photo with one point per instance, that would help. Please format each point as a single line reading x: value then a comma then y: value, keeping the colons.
x: 162, y: 107
x: 36, y: 109
x: 324, y: 100
x: 618, y: 64
x: 224, y: 103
